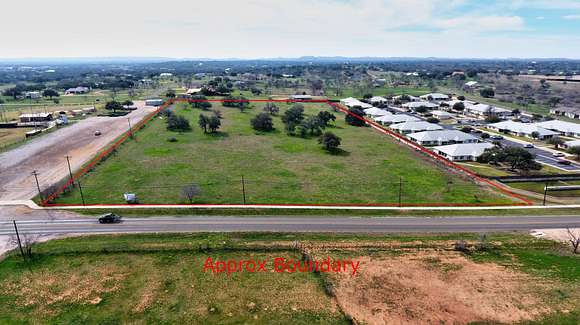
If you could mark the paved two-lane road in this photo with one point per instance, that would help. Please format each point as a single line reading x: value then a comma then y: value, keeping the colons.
x: 294, y: 224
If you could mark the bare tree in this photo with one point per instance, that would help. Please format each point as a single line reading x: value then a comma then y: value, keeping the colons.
x: 190, y: 191
x: 574, y: 239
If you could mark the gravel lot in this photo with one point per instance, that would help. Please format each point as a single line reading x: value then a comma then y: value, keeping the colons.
x: 47, y: 154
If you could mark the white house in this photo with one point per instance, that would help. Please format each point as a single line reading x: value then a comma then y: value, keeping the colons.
x: 570, y: 144
x: 570, y: 112
x: 378, y: 100
x: 562, y: 127
x: 484, y: 110
x: 154, y: 102
x: 442, y: 115
x: 77, y: 90
x: 413, y: 127
x: 409, y: 97
x: 165, y: 75
x: 471, y: 84
x: 523, y: 129
x: 415, y: 105
x: 398, y: 118
x: 353, y: 102
x: 463, y: 151
x: 373, y: 111
x: 435, y: 97
x: 32, y: 95
x: 442, y: 137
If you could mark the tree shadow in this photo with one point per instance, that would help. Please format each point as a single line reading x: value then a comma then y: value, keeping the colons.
x: 339, y: 152
x: 217, y: 134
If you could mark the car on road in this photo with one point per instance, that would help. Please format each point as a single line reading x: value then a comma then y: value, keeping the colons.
x: 97, y: 133
x: 496, y: 137
x: 109, y: 218
x: 528, y: 145
x: 565, y: 162
x: 558, y: 154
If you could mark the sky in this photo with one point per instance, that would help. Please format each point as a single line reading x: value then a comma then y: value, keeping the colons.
x: 291, y: 28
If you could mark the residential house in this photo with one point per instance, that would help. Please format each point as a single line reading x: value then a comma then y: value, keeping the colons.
x: 373, y: 111
x: 414, y: 127
x: 398, y: 118
x: 562, y: 127
x: 523, y: 129
x: 570, y: 112
x: 463, y: 151
x: 442, y: 115
x: 442, y: 137
x: 378, y: 100
x: 570, y: 144
x: 353, y: 102
x: 33, y: 95
x: 77, y: 90
x: 436, y: 97
x: 471, y: 85
x: 484, y: 110
x: 412, y: 106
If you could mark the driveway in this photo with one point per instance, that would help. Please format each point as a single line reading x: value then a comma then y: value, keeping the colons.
x: 47, y: 154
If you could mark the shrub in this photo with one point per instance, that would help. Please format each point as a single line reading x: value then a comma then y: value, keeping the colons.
x: 330, y: 142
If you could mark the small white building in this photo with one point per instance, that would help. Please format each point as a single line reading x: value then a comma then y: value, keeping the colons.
x: 523, y: 129
x: 570, y: 144
x: 463, y: 151
x: 442, y: 115
x: 373, y: 111
x: 301, y: 97
x: 562, y: 127
x: 398, y: 118
x: 442, y: 137
x: 33, y: 95
x: 484, y: 110
x: 353, y: 102
x: 407, y: 98
x: 165, y: 75
x: 570, y: 112
x: 414, y: 127
x: 471, y: 85
x: 415, y: 105
x: 154, y: 102
x: 436, y: 97
x: 377, y: 100
x: 77, y: 90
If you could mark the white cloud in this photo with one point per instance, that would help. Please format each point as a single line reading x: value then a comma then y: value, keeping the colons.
x: 571, y: 17
x: 486, y: 23
x: 263, y: 28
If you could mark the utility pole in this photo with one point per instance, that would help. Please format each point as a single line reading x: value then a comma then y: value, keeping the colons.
x: 35, y: 173
x: 545, y: 193
x: 244, y: 189
x: 400, y: 191
x: 130, y: 129
x: 81, y: 190
x: 70, y: 170
x: 18, y: 238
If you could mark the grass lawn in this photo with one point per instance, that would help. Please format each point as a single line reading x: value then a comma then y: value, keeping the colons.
x: 159, y: 278
x: 277, y: 168
x: 9, y: 137
x: 538, y: 187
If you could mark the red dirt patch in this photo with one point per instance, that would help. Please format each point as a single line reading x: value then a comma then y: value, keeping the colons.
x: 437, y: 288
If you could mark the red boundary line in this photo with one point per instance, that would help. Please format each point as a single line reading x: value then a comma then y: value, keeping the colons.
x: 375, y: 125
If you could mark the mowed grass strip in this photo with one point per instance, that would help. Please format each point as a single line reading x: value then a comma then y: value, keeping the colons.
x: 277, y: 168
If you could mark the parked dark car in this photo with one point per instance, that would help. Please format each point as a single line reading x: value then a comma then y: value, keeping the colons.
x: 564, y: 162
x: 109, y: 218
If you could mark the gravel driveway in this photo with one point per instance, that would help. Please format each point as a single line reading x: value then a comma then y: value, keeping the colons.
x: 47, y: 154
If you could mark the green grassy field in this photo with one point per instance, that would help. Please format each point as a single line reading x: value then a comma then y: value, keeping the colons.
x: 538, y: 187
x: 277, y: 168
x: 159, y: 278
